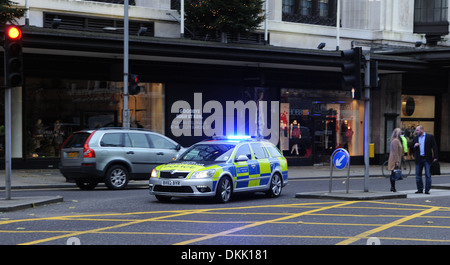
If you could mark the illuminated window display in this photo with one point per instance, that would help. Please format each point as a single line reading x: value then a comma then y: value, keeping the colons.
x: 417, y: 110
x: 54, y: 108
x: 313, y: 123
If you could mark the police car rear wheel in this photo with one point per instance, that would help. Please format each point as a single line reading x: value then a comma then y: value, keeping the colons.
x: 276, y: 185
x: 224, y: 189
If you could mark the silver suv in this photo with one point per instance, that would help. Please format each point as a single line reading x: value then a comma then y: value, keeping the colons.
x: 114, y: 156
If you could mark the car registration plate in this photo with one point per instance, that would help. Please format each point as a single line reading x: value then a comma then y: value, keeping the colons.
x: 72, y: 154
x: 171, y: 183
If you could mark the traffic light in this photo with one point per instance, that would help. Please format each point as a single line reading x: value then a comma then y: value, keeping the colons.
x: 13, y: 56
x: 351, y: 71
x: 134, y: 87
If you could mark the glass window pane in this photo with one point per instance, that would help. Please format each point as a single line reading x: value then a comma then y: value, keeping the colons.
x: 138, y: 140
x: 56, y: 108
x: 258, y: 151
x: 243, y: 150
x: 416, y: 106
x: 161, y: 142
x: 111, y: 140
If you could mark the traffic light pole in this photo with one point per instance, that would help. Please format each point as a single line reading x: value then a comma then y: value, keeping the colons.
x: 126, y: 110
x: 13, y: 78
x: 366, y: 121
x: 7, y: 142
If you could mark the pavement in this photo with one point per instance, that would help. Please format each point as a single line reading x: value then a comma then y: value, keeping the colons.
x: 52, y: 178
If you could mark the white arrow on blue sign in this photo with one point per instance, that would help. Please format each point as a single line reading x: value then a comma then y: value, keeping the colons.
x: 340, y: 159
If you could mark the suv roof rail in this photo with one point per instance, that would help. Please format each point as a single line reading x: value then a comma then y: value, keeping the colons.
x: 122, y: 128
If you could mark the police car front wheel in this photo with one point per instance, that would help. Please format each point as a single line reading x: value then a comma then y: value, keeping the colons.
x: 224, y: 189
x: 276, y: 185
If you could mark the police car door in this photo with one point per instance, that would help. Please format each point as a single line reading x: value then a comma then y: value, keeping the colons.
x: 245, y: 169
x: 265, y: 167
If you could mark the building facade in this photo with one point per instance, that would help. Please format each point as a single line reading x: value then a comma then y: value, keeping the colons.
x: 193, y: 88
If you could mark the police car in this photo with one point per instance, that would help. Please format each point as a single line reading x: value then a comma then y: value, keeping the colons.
x: 221, y: 167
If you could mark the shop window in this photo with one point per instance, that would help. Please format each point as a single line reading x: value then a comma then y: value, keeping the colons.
x: 313, y: 123
x: 55, y: 108
x: 417, y: 110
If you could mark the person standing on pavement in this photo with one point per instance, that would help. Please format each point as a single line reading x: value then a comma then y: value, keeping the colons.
x: 404, y: 143
x: 395, y: 155
x: 426, y: 152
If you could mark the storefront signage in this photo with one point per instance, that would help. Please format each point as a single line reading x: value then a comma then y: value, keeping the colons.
x: 235, y: 118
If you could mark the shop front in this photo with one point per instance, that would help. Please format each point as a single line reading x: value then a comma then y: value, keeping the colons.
x: 52, y: 108
x: 306, y: 124
x: 291, y: 97
x: 313, y: 123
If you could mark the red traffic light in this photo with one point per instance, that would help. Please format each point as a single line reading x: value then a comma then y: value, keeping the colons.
x: 13, y: 33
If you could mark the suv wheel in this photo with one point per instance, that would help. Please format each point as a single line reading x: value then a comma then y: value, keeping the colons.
x: 117, y: 177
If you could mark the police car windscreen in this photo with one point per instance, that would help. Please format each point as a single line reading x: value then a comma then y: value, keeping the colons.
x: 208, y: 152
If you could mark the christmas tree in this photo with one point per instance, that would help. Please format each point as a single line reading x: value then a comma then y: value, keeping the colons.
x: 10, y: 13
x: 223, y: 16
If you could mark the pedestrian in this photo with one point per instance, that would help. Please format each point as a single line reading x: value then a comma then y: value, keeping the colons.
x: 395, y: 155
x: 425, y: 150
x: 404, y: 143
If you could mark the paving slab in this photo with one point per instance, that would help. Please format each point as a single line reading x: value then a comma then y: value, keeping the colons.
x: 351, y: 195
x: 18, y: 203
x: 441, y: 186
x: 433, y: 193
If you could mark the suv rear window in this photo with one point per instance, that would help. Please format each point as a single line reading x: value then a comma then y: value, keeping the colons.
x: 77, y: 140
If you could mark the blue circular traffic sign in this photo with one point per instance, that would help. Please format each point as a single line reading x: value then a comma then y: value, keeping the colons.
x: 340, y: 158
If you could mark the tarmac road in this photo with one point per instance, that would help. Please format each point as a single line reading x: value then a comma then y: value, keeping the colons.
x: 132, y: 216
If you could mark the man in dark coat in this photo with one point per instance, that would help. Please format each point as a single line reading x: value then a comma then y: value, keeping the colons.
x: 426, y: 152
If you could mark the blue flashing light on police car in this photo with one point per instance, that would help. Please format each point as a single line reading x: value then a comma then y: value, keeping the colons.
x: 238, y: 137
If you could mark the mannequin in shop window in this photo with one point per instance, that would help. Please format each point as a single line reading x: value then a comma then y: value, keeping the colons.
x: 346, y: 134
x: 349, y: 134
x: 38, y: 133
x: 58, y: 134
x: 284, y: 140
x: 296, y: 135
x: 37, y: 138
